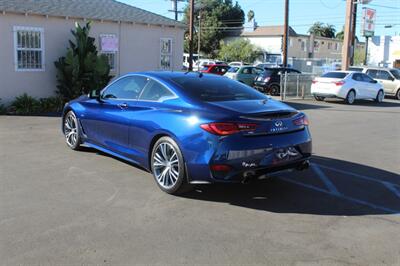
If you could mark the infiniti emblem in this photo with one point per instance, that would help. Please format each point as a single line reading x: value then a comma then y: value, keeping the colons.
x: 279, y: 123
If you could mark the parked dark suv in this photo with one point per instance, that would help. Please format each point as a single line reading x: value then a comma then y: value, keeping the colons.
x: 269, y: 80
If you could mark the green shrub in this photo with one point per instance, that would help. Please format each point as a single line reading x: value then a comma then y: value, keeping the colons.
x: 3, y: 109
x: 81, y: 69
x: 50, y: 105
x: 25, y: 105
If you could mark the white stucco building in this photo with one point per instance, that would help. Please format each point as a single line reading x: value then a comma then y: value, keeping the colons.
x: 384, y: 51
x: 35, y: 33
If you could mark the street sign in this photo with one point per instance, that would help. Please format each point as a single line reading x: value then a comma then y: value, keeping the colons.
x: 368, y: 22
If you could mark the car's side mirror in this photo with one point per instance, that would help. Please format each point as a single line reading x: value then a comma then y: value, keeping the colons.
x: 95, y: 94
x: 391, y: 78
x: 374, y: 81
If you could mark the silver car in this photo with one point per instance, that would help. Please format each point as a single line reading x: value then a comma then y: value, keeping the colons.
x: 388, y: 77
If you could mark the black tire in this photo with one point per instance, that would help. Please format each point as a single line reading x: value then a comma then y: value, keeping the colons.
x: 380, y: 96
x: 179, y: 186
x: 397, y: 96
x: 72, y: 131
x: 319, y: 98
x: 351, y: 97
x: 275, y: 90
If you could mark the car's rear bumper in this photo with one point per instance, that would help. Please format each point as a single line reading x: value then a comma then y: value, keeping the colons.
x: 326, y: 95
x: 251, y: 156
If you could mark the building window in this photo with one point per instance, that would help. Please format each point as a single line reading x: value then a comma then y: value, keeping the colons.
x: 303, y: 46
x: 329, y: 46
x: 28, y: 48
x: 111, y: 59
x: 316, y: 46
x: 166, y: 53
x: 109, y: 45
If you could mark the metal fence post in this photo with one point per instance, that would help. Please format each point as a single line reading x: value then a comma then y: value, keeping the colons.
x: 284, y: 89
x: 280, y: 87
x: 297, y: 86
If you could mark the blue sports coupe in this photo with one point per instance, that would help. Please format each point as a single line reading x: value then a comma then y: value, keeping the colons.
x: 189, y: 128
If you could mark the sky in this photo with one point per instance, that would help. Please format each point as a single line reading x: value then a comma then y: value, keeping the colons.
x: 303, y: 13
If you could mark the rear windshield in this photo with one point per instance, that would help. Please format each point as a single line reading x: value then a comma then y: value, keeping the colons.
x: 335, y: 75
x: 395, y: 73
x: 233, y: 70
x: 215, y: 89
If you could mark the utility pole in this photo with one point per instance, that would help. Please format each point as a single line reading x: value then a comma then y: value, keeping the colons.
x: 285, y: 34
x: 191, y: 29
x: 353, y: 35
x: 199, y: 36
x: 346, y: 51
x: 175, y: 8
x: 366, y: 51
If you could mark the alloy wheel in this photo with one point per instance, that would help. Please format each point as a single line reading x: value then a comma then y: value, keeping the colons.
x: 71, y: 129
x: 166, y: 165
x: 351, y: 97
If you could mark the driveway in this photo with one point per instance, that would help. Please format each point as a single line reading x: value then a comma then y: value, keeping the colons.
x: 63, y: 207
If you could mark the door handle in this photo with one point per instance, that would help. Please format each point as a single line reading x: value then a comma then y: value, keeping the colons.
x: 123, y: 105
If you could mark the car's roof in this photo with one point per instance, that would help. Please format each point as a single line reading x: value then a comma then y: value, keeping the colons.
x: 170, y: 74
x: 374, y: 68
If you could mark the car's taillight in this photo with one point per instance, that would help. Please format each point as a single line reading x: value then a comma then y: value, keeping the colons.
x: 267, y: 79
x: 301, y: 121
x: 224, y: 129
x: 314, y: 81
x: 339, y: 83
x: 220, y: 168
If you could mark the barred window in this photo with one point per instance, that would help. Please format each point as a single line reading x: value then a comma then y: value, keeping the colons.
x: 111, y: 59
x: 29, y: 49
x: 166, y: 53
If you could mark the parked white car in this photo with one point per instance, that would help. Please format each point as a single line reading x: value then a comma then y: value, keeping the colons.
x: 347, y: 85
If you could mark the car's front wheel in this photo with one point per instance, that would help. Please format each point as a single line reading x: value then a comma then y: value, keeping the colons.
x: 275, y: 90
x: 351, y: 97
x: 380, y: 96
x: 72, y: 131
x: 168, y: 167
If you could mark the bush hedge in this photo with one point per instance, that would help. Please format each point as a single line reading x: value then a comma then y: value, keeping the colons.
x: 28, y: 105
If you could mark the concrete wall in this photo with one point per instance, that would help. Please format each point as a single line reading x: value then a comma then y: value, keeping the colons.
x: 139, y: 50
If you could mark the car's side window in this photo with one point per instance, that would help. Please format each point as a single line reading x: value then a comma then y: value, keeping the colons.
x: 384, y: 75
x: 372, y: 73
x: 125, y: 88
x: 154, y: 91
x: 357, y: 77
x: 366, y: 78
x: 256, y: 70
x: 246, y: 70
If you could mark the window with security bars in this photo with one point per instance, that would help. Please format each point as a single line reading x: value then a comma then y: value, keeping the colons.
x: 166, y: 54
x: 29, y: 48
x: 111, y: 59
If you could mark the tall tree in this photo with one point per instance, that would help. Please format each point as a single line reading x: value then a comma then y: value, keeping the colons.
x: 240, y: 49
x: 323, y: 30
x: 82, y: 69
x: 218, y: 19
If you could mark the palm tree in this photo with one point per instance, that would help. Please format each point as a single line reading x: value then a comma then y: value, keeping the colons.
x: 320, y: 29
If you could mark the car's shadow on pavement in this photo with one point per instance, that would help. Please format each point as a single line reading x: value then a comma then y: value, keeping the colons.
x: 329, y: 187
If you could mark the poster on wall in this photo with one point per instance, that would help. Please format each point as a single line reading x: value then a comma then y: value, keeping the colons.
x: 108, y: 43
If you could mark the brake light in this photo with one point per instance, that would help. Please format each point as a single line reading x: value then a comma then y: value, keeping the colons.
x: 314, y: 81
x: 220, y: 168
x: 224, y: 129
x: 301, y: 121
x: 267, y: 79
x: 339, y: 83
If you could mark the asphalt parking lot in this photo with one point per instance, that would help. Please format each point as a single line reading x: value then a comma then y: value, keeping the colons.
x: 63, y: 207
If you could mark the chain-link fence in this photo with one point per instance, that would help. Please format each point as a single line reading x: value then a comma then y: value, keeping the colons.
x: 296, y: 86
